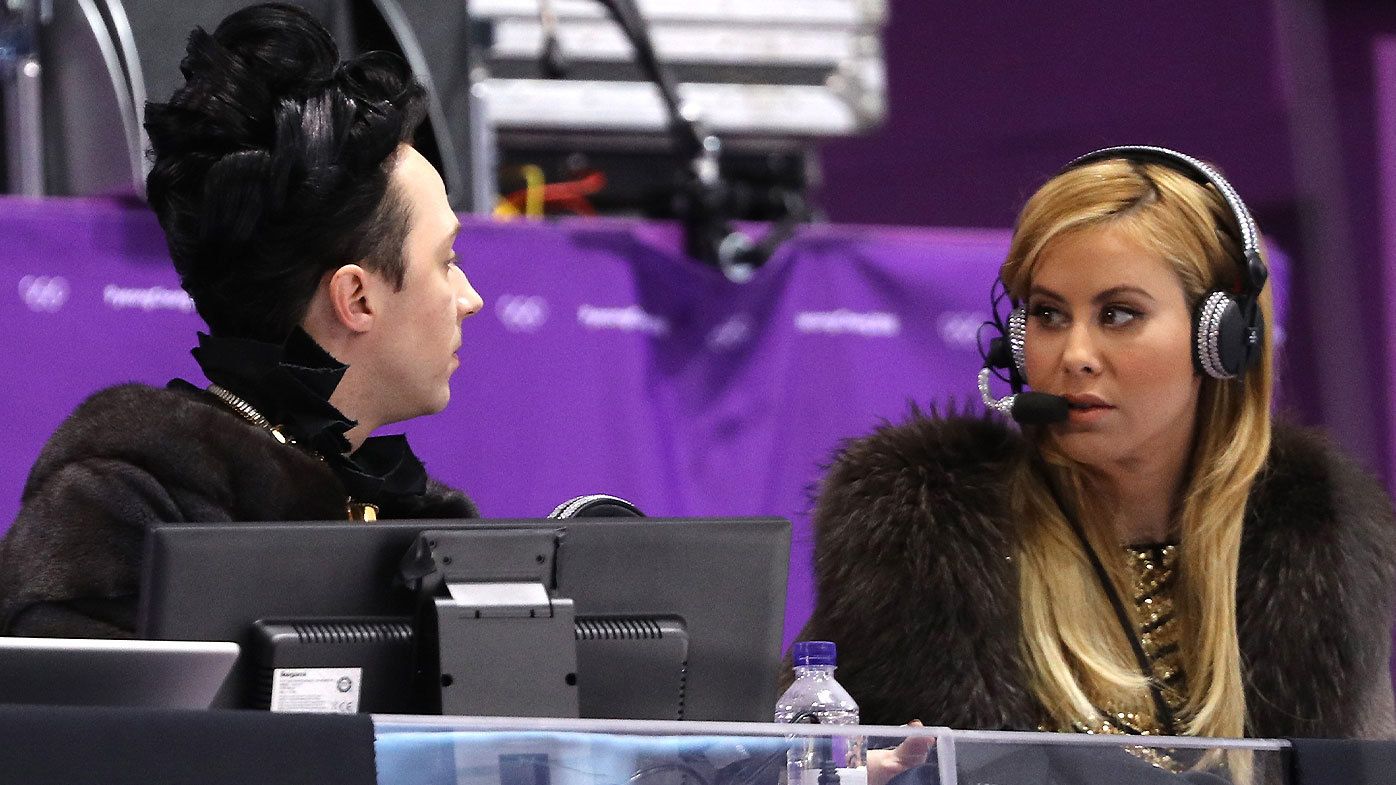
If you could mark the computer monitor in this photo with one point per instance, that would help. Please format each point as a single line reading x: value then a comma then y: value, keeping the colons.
x: 103, y: 672
x: 631, y: 618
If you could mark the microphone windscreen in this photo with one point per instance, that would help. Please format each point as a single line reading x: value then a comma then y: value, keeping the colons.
x: 596, y: 505
x: 1035, y: 408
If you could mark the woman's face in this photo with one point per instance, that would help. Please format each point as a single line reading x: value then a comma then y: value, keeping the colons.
x: 1109, y: 328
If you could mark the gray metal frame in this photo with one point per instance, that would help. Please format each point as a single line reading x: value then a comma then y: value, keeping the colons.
x: 21, y: 85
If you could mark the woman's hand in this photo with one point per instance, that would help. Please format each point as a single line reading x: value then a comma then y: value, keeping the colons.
x: 883, y: 765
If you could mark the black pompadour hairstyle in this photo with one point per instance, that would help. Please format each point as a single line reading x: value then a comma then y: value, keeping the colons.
x: 272, y: 165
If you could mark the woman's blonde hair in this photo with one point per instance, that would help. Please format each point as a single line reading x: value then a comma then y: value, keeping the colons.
x: 1078, y: 657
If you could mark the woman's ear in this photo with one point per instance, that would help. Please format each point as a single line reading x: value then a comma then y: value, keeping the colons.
x: 348, y: 290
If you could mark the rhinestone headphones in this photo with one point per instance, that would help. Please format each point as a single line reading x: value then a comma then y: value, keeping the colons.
x: 1228, y: 329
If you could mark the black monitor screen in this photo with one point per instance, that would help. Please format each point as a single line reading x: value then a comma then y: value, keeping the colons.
x: 623, y: 617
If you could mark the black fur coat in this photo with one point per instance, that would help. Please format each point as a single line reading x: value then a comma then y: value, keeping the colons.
x: 133, y: 456
x: 914, y: 583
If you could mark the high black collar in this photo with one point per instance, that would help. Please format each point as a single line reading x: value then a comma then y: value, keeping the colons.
x: 290, y: 385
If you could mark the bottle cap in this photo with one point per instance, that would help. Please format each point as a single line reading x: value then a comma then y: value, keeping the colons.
x: 814, y: 653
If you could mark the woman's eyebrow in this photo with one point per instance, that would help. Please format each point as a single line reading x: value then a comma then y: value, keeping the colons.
x: 1108, y: 294
x: 1116, y: 291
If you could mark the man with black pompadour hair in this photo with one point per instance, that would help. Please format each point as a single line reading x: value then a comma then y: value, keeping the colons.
x: 317, y: 244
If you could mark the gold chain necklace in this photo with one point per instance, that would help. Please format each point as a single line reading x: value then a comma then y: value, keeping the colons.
x: 252, y: 415
x: 357, y: 511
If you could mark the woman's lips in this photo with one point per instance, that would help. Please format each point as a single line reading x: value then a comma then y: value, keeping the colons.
x: 1089, y: 415
x: 1086, y: 409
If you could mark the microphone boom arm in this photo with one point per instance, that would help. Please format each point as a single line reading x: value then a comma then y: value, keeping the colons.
x: 1002, y: 405
x: 708, y: 234
x: 1026, y: 408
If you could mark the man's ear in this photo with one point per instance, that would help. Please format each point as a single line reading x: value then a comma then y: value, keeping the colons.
x: 349, y: 290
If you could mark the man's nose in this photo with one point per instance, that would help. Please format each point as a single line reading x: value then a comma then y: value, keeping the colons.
x: 468, y: 301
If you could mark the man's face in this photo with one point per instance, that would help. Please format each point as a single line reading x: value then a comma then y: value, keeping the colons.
x: 417, y: 332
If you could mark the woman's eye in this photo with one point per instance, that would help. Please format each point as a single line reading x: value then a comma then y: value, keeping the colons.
x: 1048, y: 316
x: 1117, y: 316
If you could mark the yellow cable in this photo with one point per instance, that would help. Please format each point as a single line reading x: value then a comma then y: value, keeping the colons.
x: 533, y: 196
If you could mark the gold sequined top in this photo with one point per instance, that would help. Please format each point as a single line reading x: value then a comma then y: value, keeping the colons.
x: 1153, y: 578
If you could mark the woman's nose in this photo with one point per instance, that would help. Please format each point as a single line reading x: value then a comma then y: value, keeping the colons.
x: 1081, y: 355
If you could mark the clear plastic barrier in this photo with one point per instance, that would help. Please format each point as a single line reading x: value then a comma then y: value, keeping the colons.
x: 1020, y: 758
x: 499, y: 751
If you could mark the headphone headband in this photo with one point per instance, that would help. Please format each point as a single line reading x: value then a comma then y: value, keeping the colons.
x: 1253, y: 272
x: 1228, y: 326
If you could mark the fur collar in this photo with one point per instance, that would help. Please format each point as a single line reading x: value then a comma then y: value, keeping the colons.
x: 133, y: 456
x: 186, y: 439
x: 917, y: 584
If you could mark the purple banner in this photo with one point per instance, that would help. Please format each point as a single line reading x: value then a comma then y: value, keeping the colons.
x: 604, y: 360
x: 1384, y: 95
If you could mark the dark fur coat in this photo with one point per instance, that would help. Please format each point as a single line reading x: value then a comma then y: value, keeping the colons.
x: 133, y: 456
x: 914, y: 583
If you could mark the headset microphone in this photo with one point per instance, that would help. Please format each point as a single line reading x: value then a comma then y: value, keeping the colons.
x: 1026, y: 408
x: 1038, y: 408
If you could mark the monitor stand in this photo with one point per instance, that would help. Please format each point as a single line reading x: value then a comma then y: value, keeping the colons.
x: 507, y: 646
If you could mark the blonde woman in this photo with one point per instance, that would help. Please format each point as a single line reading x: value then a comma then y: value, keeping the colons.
x: 1164, y: 559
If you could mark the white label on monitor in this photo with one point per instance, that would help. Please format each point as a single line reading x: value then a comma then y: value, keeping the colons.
x: 316, y: 690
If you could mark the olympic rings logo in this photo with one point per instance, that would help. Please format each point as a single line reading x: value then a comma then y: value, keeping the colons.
x: 44, y: 293
x: 731, y: 333
x: 960, y: 329
x: 521, y: 313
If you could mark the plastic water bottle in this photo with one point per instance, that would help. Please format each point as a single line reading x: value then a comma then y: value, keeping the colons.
x: 816, y: 697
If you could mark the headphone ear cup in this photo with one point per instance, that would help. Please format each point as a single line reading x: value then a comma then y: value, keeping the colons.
x: 1226, y: 341
x: 1017, y: 339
